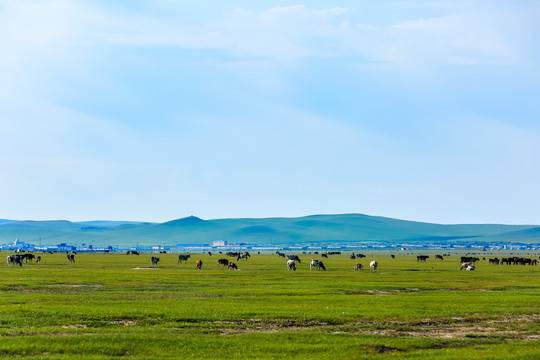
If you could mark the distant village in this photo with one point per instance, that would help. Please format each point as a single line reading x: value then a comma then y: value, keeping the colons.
x: 225, y: 246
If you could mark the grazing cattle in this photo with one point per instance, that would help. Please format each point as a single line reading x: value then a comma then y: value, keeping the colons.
x: 373, y: 266
x: 506, y: 260
x: 38, y: 259
x: 534, y: 262
x: 243, y: 256
x: 360, y: 256
x: 493, y: 261
x: 421, y: 258
x: 209, y: 253
x: 393, y: 257
x: 280, y: 254
x: 294, y: 257
x: 467, y: 259
x: 469, y: 266
x: 291, y: 265
x: 183, y: 258
x: 50, y: 252
x: 233, y: 253
x: 223, y: 262
x: 439, y: 257
x: 107, y: 251
x: 232, y: 266
x: 27, y: 257
x: 317, y: 264
x: 198, y: 264
x: 71, y: 258
x: 358, y: 267
x: 352, y: 257
x: 324, y: 256
x: 154, y: 260
x: 14, y: 259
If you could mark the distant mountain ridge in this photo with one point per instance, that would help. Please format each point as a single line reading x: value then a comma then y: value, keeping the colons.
x: 307, y: 229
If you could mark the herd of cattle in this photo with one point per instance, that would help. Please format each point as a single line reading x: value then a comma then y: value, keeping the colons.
x: 467, y: 262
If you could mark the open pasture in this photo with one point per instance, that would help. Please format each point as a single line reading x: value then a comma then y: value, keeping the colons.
x: 111, y: 306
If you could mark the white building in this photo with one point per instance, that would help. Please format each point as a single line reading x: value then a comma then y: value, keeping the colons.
x: 219, y: 243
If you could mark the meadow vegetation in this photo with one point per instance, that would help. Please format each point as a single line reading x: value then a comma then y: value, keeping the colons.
x: 111, y: 305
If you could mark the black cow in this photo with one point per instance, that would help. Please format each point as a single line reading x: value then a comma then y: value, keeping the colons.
x: 71, y: 258
x: 422, y: 258
x: 223, y: 262
x: 27, y: 257
x: 183, y: 258
x: 294, y: 257
x: 439, y: 257
x: 154, y: 260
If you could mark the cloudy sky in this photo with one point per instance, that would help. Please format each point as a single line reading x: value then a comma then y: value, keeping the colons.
x: 155, y: 110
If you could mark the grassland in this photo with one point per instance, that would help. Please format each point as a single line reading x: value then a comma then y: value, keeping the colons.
x: 103, y: 307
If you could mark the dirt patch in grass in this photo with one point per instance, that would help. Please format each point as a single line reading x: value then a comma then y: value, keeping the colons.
x: 400, y: 291
x: 74, y: 285
x: 449, y: 328
x: 74, y: 326
x: 145, y: 268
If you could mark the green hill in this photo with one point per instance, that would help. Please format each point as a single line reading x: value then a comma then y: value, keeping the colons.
x: 308, y: 229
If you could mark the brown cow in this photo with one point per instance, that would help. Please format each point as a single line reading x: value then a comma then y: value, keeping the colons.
x: 198, y: 263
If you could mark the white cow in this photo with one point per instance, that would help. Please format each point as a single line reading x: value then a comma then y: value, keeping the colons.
x: 291, y: 265
x: 373, y: 266
x: 469, y: 266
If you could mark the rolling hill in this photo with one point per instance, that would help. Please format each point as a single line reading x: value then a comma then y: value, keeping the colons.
x: 301, y: 230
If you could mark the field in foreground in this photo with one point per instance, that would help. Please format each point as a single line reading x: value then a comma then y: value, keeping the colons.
x: 111, y: 306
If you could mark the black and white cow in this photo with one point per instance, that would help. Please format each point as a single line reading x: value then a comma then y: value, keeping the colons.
x: 317, y: 264
x: 14, y: 259
x: 291, y: 265
x: 183, y: 258
x: 154, y: 260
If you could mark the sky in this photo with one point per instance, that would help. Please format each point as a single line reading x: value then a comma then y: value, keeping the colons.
x: 156, y: 110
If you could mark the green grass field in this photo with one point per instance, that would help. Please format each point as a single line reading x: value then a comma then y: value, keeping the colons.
x: 103, y: 307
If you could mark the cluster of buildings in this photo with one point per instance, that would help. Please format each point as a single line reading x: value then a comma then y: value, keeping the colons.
x: 220, y: 245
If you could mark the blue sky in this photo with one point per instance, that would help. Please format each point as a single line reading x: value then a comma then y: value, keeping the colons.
x: 155, y: 110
